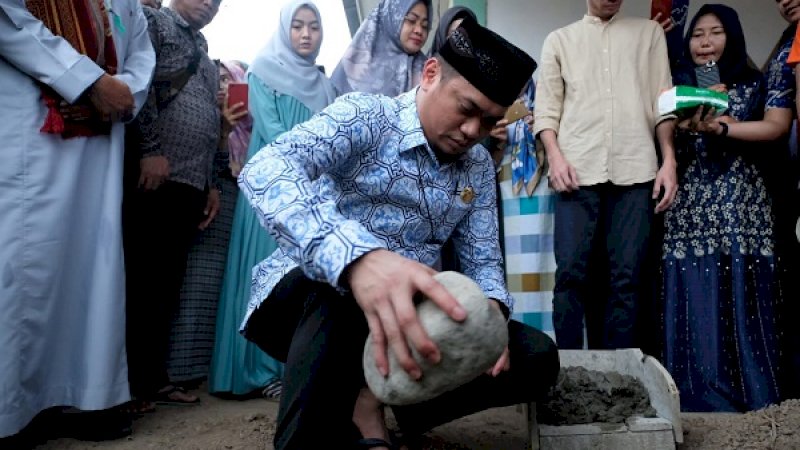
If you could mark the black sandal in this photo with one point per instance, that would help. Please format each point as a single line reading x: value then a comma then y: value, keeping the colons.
x: 164, y: 397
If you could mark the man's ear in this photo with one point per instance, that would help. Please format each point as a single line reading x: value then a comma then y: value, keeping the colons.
x: 431, y: 72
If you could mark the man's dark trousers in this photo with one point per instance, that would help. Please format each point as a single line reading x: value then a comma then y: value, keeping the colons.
x: 158, y: 229
x: 611, y: 223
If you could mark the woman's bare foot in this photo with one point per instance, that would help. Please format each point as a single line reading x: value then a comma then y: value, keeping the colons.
x: 369, y: 417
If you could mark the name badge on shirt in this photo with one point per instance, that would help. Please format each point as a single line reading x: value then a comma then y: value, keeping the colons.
x: 467, y: 194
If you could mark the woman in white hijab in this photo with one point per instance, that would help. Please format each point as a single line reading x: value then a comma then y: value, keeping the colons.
x: 285, y: 88
x: 385, y: 56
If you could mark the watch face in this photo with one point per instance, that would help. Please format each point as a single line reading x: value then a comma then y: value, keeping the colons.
x: 797, y: 230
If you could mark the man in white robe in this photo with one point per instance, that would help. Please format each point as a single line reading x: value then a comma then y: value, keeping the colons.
x: 62, y: 293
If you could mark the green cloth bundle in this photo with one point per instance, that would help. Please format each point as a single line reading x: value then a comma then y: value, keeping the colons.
x: 684, y: 100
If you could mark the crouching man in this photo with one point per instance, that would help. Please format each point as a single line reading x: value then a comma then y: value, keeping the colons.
x: 360, y: 199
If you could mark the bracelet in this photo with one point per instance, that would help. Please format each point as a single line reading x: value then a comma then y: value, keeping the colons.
x: 724, y: 129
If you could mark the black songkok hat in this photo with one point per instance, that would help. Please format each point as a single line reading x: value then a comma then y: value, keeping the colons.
x: 493, y: 65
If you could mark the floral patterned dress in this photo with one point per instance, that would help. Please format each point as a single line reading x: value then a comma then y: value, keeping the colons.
x: 720, y: 277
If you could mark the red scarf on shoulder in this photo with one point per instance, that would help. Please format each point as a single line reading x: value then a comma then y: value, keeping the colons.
x: 85, y: 25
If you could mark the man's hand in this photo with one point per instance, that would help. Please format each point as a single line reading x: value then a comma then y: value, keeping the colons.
x: 154, y: 170
x: 563, y: 177
x: 112, y: 98
x: 500, y: 134
x: 666, y: 179
x: 212, y: 208
x: 383, y: 284
x: 667, y: 24
x: 503, y: 363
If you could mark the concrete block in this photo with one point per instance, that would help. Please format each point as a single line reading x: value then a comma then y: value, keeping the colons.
x: 582, y: 429
x: 654, y: 440
x: 637, y: 424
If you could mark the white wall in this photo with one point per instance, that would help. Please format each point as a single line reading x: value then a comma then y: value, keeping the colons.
x: 526, y: 23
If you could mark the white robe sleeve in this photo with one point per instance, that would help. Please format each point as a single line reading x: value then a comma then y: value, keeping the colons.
x: 28, y: 45
x: 140, y: 59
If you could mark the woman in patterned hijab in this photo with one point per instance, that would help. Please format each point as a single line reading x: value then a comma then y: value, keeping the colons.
x: 385, y: 56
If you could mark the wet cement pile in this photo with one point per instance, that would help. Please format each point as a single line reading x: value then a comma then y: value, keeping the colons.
x: 587, y: 396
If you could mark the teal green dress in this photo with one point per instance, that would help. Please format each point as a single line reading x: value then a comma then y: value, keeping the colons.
x: 238, y: 366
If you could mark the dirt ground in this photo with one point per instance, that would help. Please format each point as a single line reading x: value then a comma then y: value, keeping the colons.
x: 250, y: 424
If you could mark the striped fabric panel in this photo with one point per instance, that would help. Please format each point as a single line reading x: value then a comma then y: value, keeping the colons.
x: 76, y: 21
x: 530, y: 262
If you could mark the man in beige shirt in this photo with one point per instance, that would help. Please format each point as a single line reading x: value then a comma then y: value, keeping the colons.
x: 596, y: 113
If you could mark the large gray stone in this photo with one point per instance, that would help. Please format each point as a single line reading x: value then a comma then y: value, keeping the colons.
x: 468, y: 348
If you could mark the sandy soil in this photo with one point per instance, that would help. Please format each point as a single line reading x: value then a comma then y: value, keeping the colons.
x: 776, y: 427
x: 227, y: 424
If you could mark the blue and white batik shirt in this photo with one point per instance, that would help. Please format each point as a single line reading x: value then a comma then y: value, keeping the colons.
x: 360, y: 176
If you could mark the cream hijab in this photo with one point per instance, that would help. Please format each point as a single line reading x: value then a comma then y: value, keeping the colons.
x: 282, y: 69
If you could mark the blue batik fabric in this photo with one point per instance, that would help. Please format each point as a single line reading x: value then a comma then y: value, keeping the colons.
x: 523, y: 148
x: 361, y: 176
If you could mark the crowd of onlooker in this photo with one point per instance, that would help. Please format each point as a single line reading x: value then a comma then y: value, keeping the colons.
x: 134, y: 266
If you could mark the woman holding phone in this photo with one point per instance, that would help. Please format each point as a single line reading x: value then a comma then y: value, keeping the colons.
x: 720, y: 271
x: 237, y: 125
x: 285, y: 88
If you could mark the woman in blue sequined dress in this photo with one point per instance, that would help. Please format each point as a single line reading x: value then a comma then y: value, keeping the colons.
x: 720, y: 272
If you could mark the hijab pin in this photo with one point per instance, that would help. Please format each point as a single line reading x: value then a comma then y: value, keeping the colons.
x: 467, y: 194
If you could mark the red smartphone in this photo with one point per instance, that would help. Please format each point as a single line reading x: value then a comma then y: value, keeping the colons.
x: 237, y: 93
x: 661, y: 6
